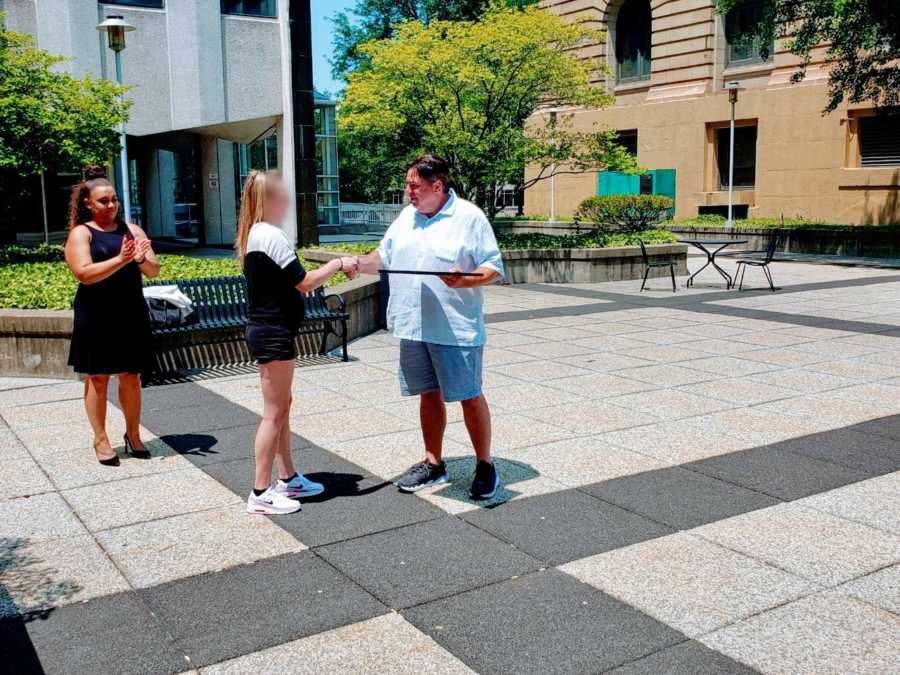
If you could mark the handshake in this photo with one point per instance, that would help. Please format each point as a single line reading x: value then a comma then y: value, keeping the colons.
x: 350, y: 266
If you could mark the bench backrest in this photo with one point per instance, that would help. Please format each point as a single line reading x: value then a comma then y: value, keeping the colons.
x: 224, y: 299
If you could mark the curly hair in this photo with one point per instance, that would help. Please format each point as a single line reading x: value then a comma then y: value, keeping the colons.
x: 91, y: 176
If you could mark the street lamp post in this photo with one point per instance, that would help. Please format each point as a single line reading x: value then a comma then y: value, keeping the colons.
x: 115, y: 28
x: 733, y: 89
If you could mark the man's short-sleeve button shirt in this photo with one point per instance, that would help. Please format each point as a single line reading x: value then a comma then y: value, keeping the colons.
x: 424, y: 308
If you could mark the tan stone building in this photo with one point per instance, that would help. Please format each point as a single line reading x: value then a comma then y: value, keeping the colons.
x: 668, y: 62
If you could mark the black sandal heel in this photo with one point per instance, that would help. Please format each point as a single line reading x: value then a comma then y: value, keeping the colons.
x: 109, y: 461
x: 137, y: 454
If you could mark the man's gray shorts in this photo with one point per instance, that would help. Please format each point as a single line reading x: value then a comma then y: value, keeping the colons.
x: 455, y: 371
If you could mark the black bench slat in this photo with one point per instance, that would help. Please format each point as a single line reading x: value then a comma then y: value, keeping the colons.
x: 221, y: 303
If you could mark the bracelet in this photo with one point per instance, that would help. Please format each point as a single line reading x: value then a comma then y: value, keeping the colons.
x: 141, y: 261
x: 341, y: 262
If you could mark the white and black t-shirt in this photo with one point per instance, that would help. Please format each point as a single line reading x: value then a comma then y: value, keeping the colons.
x: 273, y: 272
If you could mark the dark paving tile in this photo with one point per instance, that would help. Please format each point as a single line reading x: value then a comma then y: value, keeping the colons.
x: 871, y: 454
x: 218, y: 616
x: 426, y: 561
x: 211, y: 447
x: 545, y: 623
x: 563, y: 526
x: 883, y: 426
x: 219, y: 413
x: 115, y: 634
x: 679, y: 498
x: 778, y: 473
x: 688, y: 658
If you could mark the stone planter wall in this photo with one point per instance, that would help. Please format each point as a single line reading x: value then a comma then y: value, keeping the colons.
x: 35, y: 343
x: 589, y: 265
x: 574, y: 266
x: 859, y: 242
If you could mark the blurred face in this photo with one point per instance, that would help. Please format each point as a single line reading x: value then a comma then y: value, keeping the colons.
x: 103, y: 204
x: 426, y: 197
x: 277, y: 201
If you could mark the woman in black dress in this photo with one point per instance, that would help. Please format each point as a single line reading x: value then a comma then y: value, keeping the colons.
x: 111, y: 335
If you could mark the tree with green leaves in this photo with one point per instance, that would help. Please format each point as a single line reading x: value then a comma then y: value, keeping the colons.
x: 379, y: 19
x: 862, y: 40
x: 465, y: 90
x: 50, y: 121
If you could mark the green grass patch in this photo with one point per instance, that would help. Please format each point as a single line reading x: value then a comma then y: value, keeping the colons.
x: 38, y: 278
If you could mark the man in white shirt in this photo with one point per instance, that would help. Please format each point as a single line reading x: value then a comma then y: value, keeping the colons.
x: 440, y: 319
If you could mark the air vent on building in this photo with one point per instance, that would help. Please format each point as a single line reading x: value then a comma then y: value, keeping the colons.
x: 879, y: 140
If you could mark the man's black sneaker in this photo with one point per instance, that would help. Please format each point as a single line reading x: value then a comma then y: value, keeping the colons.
x: 422, y: 475
x: 486, y: 481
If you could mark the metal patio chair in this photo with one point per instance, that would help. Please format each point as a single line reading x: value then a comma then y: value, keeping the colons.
x: 653, y: 264
x: 763, y: 264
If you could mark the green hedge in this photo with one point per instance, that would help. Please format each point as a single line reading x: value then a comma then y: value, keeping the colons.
x: 519, y: 241
x: 38, y: 278
x: 714, y: 220
x: 624, y: 213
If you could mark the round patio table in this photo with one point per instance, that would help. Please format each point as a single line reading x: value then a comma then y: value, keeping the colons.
x: 711, y: 247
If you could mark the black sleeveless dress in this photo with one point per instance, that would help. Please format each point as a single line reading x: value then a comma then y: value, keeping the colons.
x: 112, y: 324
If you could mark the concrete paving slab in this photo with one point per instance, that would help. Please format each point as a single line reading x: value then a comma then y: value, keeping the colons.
x: 66, y: 640
x: 874, y: 502
x: 427, y: 561
x: 513, y: 430
x: 818, y: 546
x: 36, y: 577
x: 776, y: 472
x: 158, y: 551
x: 287, y: 598
x: 39, y: 518
x: 387, y: 640
x: 545, y: 623
x: 824, y: 633
x: 21, y: 476
x: 679, y: 498
x: 581, y: 461
x: 690, y: 584
x: 145, y: 498
x: 670, y: 404
x: 687, y: 658
x: 563, y: 526
x: 881, y: 588
x: 591, y: 417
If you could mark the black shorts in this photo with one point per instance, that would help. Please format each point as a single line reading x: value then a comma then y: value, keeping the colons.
x: 271, y: 343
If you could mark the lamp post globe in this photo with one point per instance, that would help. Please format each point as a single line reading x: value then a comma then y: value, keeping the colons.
x: 733, y: 88
x: 115, y: 28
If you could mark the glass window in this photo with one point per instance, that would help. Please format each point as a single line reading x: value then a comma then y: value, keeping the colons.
x: 249, y: 7
x: 744, y: 45
x: 744, y: 156
x: 633, y: 29
x: 327, y: 178
x: 879, y: 140
x: 628, y: 140
x: 260, y: 156
x: 135, y: 3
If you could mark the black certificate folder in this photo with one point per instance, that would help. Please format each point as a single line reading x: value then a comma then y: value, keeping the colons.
x: 432, y: 273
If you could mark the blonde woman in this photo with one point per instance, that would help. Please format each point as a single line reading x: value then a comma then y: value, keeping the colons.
x: 275, y: 282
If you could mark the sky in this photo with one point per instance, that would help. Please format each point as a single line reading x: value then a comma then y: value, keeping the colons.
x: 321, y: 41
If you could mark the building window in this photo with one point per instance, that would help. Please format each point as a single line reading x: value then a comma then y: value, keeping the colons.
x: 249, y: 7
x: 327, y: 177
x: 628, y: 140
x: 879, y: 140
x: 741, y: 33
x: 135, y: 3
x: 259, y: 156
x: 744, y: 156
x: 633, y: 29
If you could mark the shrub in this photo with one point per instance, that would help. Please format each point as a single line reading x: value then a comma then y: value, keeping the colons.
x: 624, y: 213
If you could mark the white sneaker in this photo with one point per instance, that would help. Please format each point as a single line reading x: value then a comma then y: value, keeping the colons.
x: 271, y: 502
x: 299, y: 486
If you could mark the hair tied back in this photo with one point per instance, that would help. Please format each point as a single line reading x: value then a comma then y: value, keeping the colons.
x: 93, y: 172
